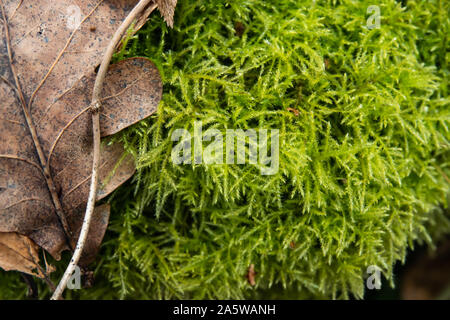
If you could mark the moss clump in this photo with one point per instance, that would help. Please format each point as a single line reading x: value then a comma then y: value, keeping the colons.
x: 363, y: 116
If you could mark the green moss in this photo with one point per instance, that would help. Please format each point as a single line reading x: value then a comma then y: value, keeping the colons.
x: 363, y: 165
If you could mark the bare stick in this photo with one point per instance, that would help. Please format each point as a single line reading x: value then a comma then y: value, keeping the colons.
x: 95, y: 108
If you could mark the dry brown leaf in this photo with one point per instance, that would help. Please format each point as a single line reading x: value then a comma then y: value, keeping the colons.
x: 19, y: 253
x: 251, y: 275
x: 167, y: 9
x: 55, y: 67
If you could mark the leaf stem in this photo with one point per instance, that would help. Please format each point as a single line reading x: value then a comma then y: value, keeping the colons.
x: 95, y: 108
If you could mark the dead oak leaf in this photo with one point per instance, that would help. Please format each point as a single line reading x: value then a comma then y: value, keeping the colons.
x: 47, y: 70
x: 18, y: 252
x: 167, y: 9
x: 251, y: 275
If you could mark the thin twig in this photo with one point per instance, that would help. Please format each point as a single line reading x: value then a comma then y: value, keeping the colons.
x: 95, y: 107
